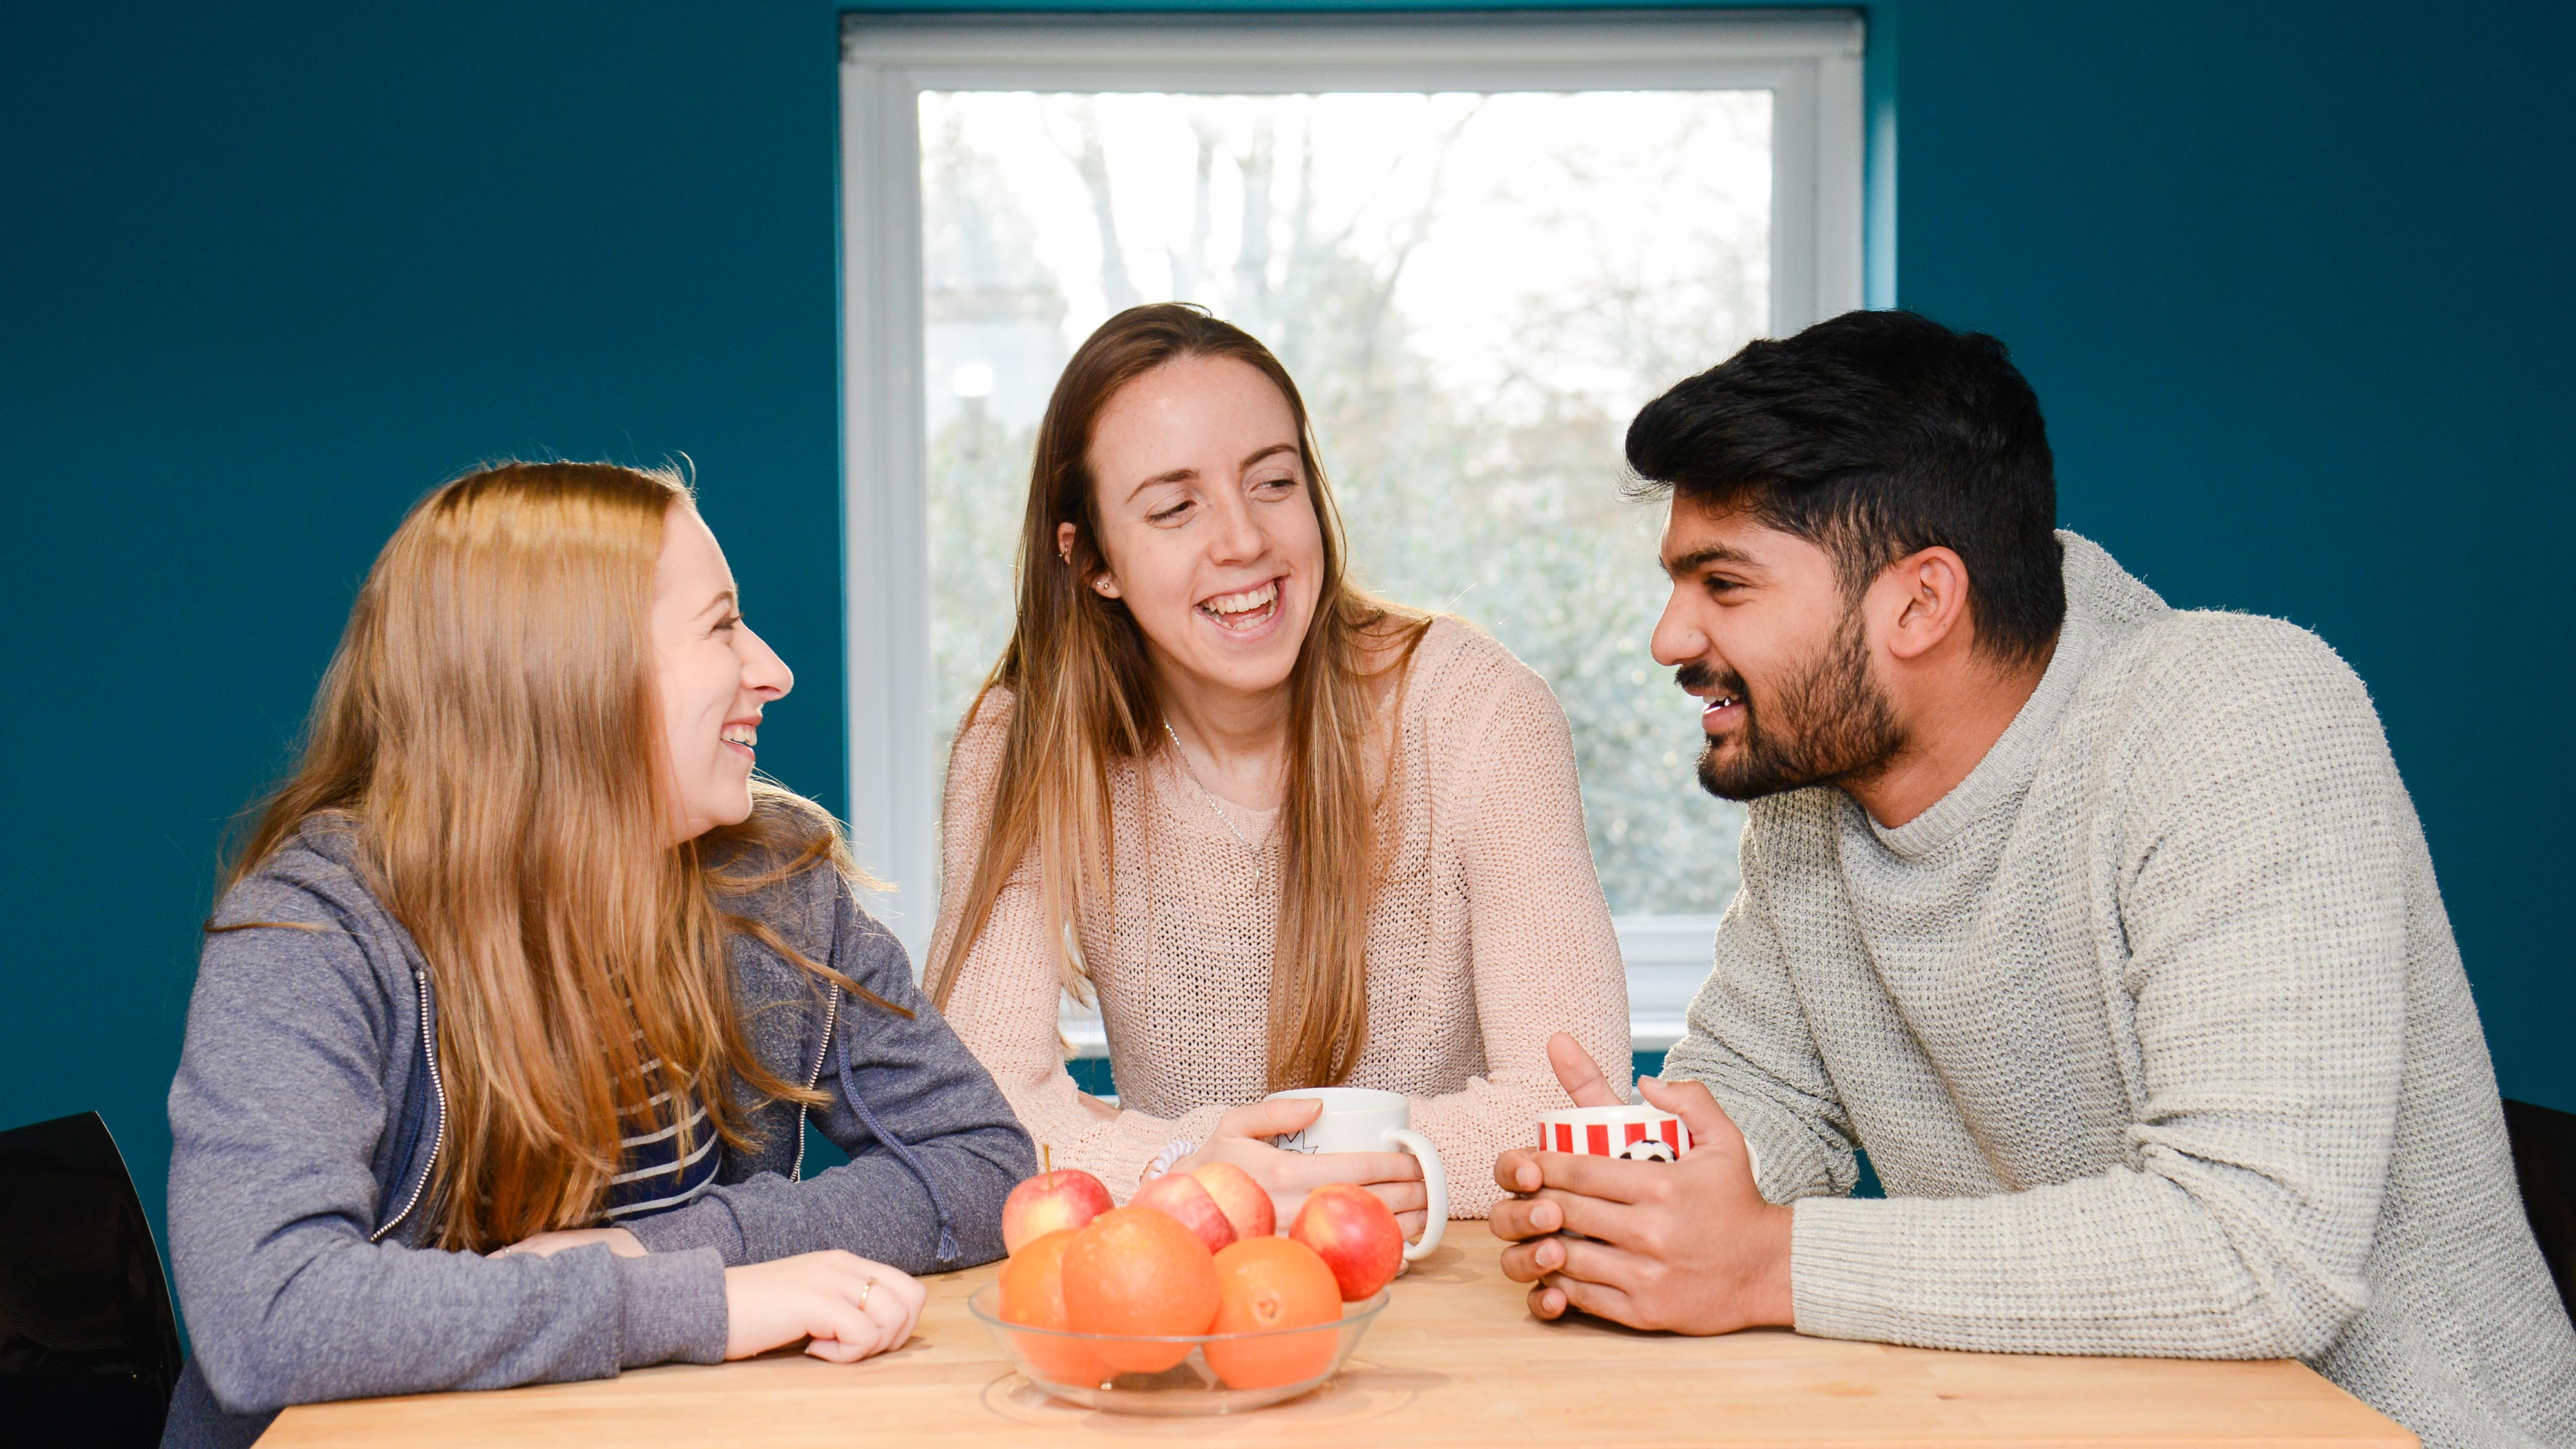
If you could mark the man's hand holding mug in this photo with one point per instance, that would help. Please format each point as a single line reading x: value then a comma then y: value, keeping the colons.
x: 1687, y: 1245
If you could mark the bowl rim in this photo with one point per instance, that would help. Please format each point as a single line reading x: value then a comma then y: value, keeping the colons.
x: 1357, y: 1314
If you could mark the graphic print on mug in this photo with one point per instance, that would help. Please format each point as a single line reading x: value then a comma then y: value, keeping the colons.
x: 1635, y: 1134
x: 1361, y: 1119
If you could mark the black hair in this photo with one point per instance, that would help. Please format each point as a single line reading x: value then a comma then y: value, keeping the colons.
x: 1875, y: 435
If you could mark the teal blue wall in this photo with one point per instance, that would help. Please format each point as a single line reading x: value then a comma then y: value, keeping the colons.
x: 2289, y: 277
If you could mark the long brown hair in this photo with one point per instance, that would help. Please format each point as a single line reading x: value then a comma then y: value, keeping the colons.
x: 1084, y: 700
x: 490, y: 730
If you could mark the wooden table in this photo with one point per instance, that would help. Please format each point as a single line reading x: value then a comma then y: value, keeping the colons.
x: 1455, y: 1360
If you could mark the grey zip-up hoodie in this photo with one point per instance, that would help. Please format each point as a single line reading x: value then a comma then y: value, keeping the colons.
x: 308, y: 1110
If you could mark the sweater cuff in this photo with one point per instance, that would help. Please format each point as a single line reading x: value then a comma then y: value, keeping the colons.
x: 707, y: 1223
x: 671, y: 1306
x: 1137, y: 1138
x: 1838, y: 1286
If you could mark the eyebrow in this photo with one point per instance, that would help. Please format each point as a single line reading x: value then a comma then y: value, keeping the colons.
x: 1186, y: 475
x: 1702, y: 557
x: 727, y: 597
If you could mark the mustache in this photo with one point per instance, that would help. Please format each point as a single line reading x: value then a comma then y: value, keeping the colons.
x: 1697, y: 677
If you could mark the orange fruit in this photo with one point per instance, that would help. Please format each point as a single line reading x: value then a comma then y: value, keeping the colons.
x: 1033, y: 1295
x: 1133, y: 1270
x: 1270, y: 1283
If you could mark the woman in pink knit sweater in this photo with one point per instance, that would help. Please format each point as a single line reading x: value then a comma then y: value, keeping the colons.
x: 1283, y: 833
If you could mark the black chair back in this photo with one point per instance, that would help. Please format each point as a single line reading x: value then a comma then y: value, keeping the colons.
x: 89, y: 1348
x: 2544, y: 1160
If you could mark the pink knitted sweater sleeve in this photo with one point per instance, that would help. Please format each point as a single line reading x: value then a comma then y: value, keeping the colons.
x: 1004, y: 1004
x: 1544, y: 957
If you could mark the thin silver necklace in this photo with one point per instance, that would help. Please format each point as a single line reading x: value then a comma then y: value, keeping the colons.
x: 1204, y: 792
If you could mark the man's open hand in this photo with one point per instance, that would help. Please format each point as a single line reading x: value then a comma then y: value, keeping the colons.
x: 1689, y: 1246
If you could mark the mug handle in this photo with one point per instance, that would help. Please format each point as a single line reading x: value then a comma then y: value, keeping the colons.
x: 1435, y: 1180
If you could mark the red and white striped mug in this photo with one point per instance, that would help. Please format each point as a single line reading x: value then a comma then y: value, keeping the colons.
x: 1637, y: 1134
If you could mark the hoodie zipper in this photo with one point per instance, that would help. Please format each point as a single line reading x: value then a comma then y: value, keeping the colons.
x: 831, y: 1017
x: 438, y: 1135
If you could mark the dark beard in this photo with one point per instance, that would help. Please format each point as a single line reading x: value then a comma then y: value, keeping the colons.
x: 1832, y: 725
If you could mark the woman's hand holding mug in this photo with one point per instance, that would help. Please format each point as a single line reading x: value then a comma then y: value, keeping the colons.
x: 1242, y: 1137
x: 1363, y: 1136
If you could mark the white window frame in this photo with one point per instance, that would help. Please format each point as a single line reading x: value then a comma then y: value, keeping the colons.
x: 1809, y: 61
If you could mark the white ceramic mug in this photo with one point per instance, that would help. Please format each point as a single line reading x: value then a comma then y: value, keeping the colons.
x: 1360, y: 1119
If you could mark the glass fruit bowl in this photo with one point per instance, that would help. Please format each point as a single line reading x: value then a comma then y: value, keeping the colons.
x: 1200, y: 1373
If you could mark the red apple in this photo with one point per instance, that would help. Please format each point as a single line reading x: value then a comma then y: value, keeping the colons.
x: 1178, y: 1196
x: 1244, y: 1203
x: 1050, y: 1203
x: 1355, y: 1234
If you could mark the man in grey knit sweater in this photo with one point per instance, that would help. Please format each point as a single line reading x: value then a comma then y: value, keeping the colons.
x: 2108, y: 928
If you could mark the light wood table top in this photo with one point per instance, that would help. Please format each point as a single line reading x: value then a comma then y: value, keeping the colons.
x: 1455, y: 1360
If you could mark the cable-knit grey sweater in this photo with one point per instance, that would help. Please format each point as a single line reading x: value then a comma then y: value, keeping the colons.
x: 2156, y: 1035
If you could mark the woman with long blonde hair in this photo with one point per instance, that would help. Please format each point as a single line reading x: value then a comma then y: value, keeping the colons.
x: 1285, y: 834
x: 519, y: 995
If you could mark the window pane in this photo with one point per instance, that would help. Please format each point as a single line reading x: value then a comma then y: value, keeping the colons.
x: 1475, y: 292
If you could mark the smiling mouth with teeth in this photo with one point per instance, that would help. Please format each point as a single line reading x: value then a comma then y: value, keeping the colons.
x: 1249, y: 609
x: 741, y: 737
